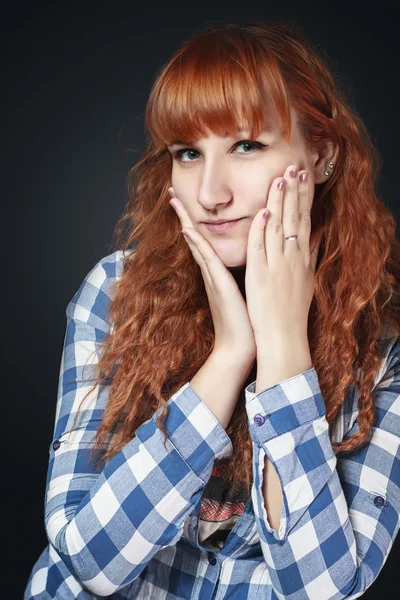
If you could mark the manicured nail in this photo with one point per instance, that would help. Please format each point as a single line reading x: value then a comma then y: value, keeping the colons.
x: 293, y: 172
x: 281, y: 184
x: 304, y: 177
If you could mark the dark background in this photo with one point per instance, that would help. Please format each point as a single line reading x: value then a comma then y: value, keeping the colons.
x: 77, y: 79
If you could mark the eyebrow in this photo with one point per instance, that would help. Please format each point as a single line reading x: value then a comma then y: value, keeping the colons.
x: 178, y: 142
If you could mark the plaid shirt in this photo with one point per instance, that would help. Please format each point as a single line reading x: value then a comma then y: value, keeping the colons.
x: 130, y: 530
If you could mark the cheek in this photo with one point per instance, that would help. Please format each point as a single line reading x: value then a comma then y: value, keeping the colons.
x: 255, y: 193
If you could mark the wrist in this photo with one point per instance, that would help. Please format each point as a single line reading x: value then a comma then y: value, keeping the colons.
x: 231, y: 360
x: 280, y: 348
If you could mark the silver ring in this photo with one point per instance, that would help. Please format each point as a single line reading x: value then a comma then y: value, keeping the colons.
x: 290, y: 237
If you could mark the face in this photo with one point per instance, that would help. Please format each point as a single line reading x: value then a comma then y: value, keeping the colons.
x: 222, y: 178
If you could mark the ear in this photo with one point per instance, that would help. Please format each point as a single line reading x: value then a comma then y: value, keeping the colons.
x: 327, y: 153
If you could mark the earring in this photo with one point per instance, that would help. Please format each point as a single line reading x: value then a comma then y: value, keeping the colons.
x: 331, y: 165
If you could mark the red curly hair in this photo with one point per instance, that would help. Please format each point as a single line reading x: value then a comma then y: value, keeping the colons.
x: 162, y: 326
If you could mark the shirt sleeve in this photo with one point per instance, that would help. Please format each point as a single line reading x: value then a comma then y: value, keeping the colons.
x: 340, y: 515
x: 106, y: 524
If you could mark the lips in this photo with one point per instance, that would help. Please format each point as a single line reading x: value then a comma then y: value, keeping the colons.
x: 221, y: 227
x: 221, y: 222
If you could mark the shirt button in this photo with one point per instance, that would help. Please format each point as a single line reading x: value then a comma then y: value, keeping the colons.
x: 379, y: 501
x: 259, y: 420
x: 56, y: 445
x: 211, y: 558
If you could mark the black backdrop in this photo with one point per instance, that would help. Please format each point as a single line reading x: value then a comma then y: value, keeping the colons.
x: 76, y: 80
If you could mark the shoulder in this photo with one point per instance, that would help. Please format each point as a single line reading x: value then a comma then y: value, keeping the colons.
x: 385, y: 389
x: 107, y: 269
x: 92, y: 298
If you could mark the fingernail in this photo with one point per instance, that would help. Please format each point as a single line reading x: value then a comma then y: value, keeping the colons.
x: 265, y: 213
x: 293, y: 172
x: 304, y: 177
x: 171, y: 192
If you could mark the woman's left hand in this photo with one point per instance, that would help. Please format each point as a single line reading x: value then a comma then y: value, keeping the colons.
x: 279, y: 277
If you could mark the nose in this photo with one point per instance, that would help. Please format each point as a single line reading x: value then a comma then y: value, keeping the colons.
x: 213, y: 197
x: 213, y: 204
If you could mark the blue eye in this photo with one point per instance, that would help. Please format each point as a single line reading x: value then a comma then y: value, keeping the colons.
x: 258, y: 145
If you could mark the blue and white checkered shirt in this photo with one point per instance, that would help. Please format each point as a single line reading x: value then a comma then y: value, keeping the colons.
x: 130, y: 530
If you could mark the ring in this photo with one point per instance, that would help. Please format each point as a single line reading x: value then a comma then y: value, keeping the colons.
x: 290, y: 237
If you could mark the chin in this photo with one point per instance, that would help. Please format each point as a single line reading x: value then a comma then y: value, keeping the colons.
x: 232, y: 252
x: 231, y: 261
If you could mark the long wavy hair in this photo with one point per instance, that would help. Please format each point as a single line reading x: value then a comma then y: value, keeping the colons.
x: 162, y: 329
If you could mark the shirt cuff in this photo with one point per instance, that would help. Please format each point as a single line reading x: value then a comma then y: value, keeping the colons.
x: 284, y: 406
x: 195, y: 431
x: 288, y: 424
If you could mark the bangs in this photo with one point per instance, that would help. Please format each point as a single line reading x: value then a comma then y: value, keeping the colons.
x: 219, y: 84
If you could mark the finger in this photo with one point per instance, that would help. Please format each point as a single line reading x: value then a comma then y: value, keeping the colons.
x: 211, y: 265
x: 273, y: 232
x: 304, y: 228
x: 197, y: 243
x: 315, y: 243
x: 256, y: 260
x: 186, y: 222
x: 290, y: 212
x: 181, y: 211
x: 212, y: 268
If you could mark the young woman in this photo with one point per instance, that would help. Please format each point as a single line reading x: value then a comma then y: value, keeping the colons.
x: 228, y: 412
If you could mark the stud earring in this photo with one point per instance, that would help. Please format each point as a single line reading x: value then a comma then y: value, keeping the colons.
x: 330, y: 165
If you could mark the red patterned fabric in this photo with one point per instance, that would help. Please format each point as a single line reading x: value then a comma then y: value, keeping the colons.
x: 219, y: 508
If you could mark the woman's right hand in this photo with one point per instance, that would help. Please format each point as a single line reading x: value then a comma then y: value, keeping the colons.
x: 233, y: 331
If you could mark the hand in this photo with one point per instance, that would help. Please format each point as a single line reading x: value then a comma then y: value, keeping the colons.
x: 280, y: 273
x: 232, y: 327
